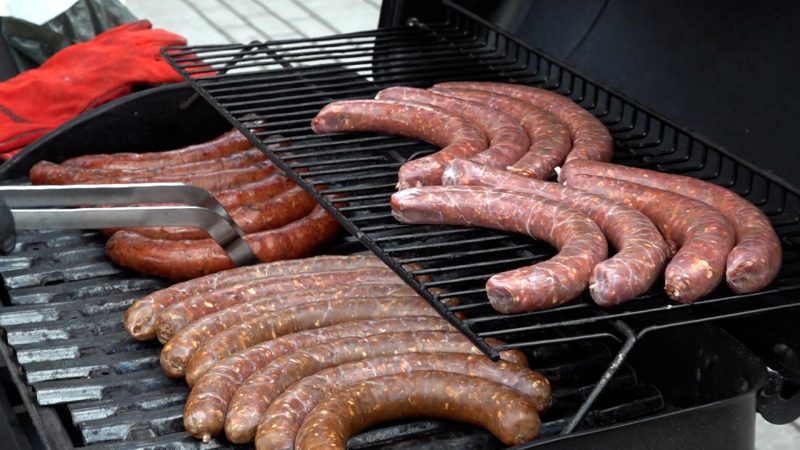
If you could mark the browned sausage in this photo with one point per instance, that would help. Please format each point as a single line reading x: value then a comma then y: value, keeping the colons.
x: 297, y: 318
x: 505, y: 413
x: 182, y: 313
x: 181, y: 260
x: 255, y: 395
x: 140, y: 318
x: 45, y: 172
x: 703, y: 235
x: 590, y: 138
x: 456, y: 136
x: 257, y: 191
x: 550, y: 139
x: 226, y: 144
x: 754, y: 261
x: 236, y: 160
x: 276, y: 212
x: 580, y: 242
x: 641, y: 251
x: 283, y: 418
x: 184, y: 343
x: 204, y: 414
x: 507, y: 140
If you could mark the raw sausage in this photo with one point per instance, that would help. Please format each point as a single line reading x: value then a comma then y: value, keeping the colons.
x: 507, y: 140
x: 590, y: 138
x: 226, y: 144
x: 641, y: 251
x: 283, y: 418
x: 456, y: 136
x: 579, y: 241
x: 204, y: 414
x: 197, y: 333
x: 550, y: 139
x: 182, y: 313
x: 140, y: 318
x: 505, y: 413
x: 291, y: 320
x: 754, y: 261
x: 703, y: 235
x: 45, y: 172
x: 275, y: 212
x: 234, y: 161
x: 181, y: 260
x: 254, y: 396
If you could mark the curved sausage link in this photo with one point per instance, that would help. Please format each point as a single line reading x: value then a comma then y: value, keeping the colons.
x: 140, y: 318
x: 236, y: 160
x: 256, y: 394
x: 301, y: 317
x: 507, y: 140
x: 226, y: 144
x: 703, y: 235
x: 456, y: 136
x: 207, y: 405
x: 194, y: 335
x: 282, y: 420
x: 45, y: 172
x: 182, y: 313
x: 579, y: 241
x: 284, y: 208
x: 505, y: 413
x: 641, y: 251
x: 754, y: 261
x: 590, y: 138
x: 255, y: 192
x: 181, y: 260
x: 550, y: 139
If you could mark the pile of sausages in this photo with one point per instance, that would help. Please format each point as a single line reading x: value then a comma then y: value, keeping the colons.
x: 502, y: 143
x: 280, y: 219
x: 303, y: 353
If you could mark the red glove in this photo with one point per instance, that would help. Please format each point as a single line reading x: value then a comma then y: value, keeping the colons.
x: 81, y: 77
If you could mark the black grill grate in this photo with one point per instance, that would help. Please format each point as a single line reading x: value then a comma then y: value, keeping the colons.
x: 85, y: 382
x: 271, y: 91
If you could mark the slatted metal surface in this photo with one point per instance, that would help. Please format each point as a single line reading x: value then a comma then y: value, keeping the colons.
x: 272, y: 90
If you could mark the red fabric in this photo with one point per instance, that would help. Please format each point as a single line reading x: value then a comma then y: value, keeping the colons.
x: 81, y: 77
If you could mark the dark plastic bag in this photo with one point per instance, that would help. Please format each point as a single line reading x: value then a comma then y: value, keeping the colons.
x: 29, y: 45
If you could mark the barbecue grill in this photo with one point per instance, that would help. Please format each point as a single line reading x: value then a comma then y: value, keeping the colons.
x: 649, y: 372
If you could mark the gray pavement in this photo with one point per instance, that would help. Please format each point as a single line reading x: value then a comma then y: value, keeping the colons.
x: 238, y: 21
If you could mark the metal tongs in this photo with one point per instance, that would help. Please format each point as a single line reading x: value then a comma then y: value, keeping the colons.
x: 74, y: 207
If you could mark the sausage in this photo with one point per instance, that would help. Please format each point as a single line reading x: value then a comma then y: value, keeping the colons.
x: 182, y: 313
x: 580, y: 244
x: 507, y: 140
x: 276, y: 212
x: 181, y: 260
x: 254, y: 396
x: 590, y: 138
x: 550, y: 139
x: 703, y: 235
x: 204, y: 414
x: 140, y: 318
x: 233, y: 161
x: 456, y: 136
x: 44, y: 172
x: 293, y: 319
x: 231, y: 142
x: 283, y: 418
x: 641, y: 251
x: 754, y: 261
x: 505, y: 413
x: 183, y: 344
x: 255, y: 192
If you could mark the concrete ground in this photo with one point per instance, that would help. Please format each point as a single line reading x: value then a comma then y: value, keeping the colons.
x: 237, y: 21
